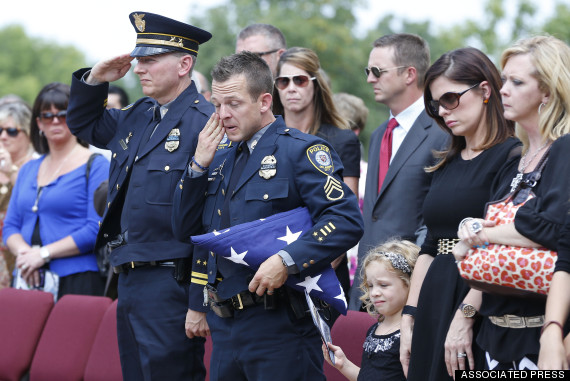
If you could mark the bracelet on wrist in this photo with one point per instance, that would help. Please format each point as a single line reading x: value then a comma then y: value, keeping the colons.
x: 198, y: 165
x: 409, y: 310
x: 463, y: 221
x: 550, y: 323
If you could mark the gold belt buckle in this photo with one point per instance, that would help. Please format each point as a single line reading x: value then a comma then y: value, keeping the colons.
x: 240, y: 307
x: 514, y: 321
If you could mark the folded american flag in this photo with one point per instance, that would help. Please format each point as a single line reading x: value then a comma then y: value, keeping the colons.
x: 251, y: 243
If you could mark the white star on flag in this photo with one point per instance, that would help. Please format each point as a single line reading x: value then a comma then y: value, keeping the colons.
x: 342, y: 297
x: 238, y: 258
x: 290, y: 237
x: 311, y: 283
x: 216, y: 233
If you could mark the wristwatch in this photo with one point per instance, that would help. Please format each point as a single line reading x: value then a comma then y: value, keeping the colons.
x: 468, y: 310
x: 44, y: 253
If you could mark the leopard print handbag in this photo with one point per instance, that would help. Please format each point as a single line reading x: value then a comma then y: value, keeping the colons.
x: 510, y: 270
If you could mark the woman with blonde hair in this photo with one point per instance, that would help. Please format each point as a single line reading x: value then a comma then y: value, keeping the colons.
x: 536, y: 95
x: 15, y: 151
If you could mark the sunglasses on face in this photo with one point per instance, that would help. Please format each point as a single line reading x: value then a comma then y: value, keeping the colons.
x: 377, y: 71
x: 298, y: 80
x: 11, y: 131
x: 448, y: 101
x: 49, y: 116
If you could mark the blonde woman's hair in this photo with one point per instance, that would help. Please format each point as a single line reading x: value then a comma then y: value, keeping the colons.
x: 399, y: 257
x: 551, y: 60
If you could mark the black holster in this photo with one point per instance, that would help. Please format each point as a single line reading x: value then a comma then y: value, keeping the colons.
x: 182, y: 269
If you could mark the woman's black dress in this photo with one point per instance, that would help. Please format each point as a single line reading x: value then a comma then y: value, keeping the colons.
x: 459, y: 189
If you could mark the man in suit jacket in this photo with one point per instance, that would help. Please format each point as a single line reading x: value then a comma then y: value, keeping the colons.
x: 260, y: 328
x: 151, y: 142
x: 393, y: 207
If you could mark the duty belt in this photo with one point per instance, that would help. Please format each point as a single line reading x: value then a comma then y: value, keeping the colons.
x: 134, y: 264
x: 225, y: 307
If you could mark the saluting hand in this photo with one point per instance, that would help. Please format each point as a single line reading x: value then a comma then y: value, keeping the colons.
x: 270, y: 275
x: 110, y: 70
x: 208, y: 140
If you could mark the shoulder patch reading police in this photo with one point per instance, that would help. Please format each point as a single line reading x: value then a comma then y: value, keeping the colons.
x: 319, y: 155
x: 173, y: 140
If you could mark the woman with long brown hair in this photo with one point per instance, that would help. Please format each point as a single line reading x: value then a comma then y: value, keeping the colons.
x: 462, y: 95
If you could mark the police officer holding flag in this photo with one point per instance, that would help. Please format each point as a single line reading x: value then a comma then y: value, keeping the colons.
x: 249, y: 165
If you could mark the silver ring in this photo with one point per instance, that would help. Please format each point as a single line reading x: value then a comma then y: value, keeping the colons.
x: 476, y: 227
x: 269, y: 292
x: 24, y: 266
x: 461, y: 355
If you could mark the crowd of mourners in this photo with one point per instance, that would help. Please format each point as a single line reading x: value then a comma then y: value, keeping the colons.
x: 472, y: 165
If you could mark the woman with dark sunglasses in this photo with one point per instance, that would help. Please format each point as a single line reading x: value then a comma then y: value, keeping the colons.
x: 15, y: 151
x: 303, y: 97
x: 536, y: 95
x: 51, y: 221
x: 462, y: 95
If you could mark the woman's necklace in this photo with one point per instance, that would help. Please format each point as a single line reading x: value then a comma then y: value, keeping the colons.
x: 53, y: 177
x: 518, y: 178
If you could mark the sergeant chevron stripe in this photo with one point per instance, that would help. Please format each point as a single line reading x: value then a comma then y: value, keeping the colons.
x: 333, y: 189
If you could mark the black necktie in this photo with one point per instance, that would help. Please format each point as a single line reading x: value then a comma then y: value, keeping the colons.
x: 242, y: 155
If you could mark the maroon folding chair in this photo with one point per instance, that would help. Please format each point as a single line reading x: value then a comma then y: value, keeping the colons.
x: 67, y: 338
x: 104, y: 363
x: 349, y: 333
x: 22, y: 315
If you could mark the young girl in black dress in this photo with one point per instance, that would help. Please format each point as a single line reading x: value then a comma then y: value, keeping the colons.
x: 386, y: 275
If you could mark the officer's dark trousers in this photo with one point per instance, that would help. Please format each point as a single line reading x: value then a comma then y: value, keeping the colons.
x: 261, y: 345
x: 150, y: 325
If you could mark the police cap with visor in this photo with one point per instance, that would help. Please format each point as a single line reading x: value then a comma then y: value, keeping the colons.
x: 157, y: 34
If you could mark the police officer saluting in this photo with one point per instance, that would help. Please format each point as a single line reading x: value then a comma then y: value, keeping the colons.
x: 151, y: 142
x: 262, y: 331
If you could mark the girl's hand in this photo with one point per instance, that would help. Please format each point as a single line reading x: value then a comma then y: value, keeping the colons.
x: 339, y: 356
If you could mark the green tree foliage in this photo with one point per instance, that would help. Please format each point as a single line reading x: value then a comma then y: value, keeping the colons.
x: 27, y: 64
x: 558, y: 24
x: 326, y: 26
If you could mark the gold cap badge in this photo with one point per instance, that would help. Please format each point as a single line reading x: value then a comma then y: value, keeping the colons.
x: 139, y: 22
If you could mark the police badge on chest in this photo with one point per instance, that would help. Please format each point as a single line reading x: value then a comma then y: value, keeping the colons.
x: 173, y: 140
x: 268, y: 167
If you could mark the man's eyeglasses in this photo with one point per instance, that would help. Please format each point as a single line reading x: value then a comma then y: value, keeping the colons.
x: 448, y: 101
x: 299, y: 80
x: 49, y: 116
x: 378, y: 72
x: 11, y: 131
x: 261, y: 54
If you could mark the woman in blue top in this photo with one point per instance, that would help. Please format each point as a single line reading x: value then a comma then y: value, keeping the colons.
x: 51, y: 220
